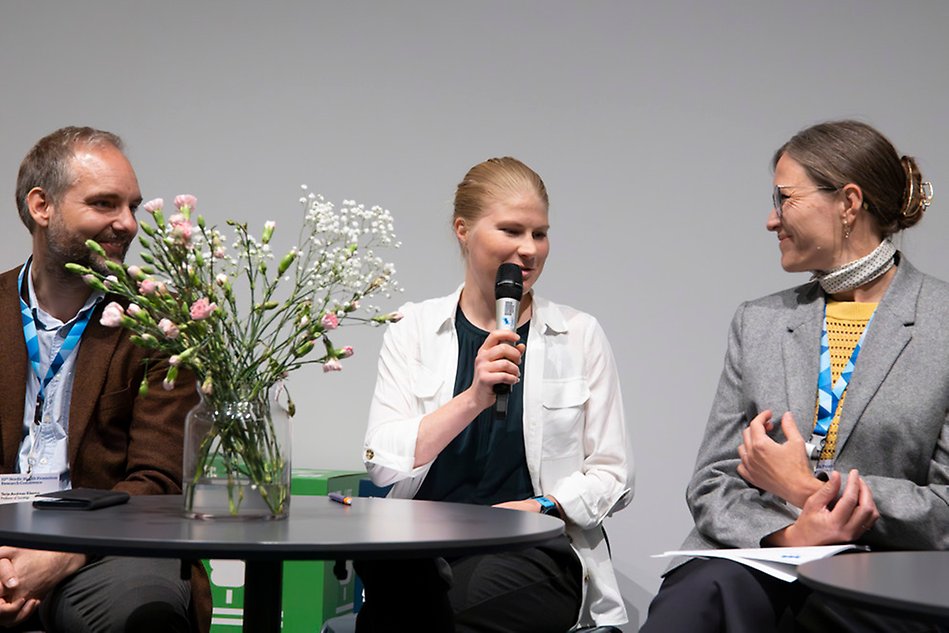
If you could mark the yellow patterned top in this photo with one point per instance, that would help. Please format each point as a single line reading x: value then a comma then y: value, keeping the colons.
x: 846, y: 322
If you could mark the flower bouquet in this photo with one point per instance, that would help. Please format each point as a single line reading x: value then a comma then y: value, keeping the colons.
x: 241, y: 319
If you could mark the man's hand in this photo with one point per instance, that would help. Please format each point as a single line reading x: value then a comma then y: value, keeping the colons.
x: 823, y: 522
x: 13, y: 613
x: 781, y: 469
x: 26, y: 576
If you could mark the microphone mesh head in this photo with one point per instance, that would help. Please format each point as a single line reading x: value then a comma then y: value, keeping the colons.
x: 509, y: 284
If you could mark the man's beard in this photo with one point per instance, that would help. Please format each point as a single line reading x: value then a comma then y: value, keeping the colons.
x: 64, y: 248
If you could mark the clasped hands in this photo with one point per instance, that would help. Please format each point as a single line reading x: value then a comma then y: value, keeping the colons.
x: 784, y: 470
x: 26, y: 576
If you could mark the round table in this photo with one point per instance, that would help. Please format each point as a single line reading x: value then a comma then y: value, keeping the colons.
x: 317, y: 529
x: 905, y: 583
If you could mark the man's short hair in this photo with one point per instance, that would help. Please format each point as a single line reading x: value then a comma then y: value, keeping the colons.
x: 47, y: 164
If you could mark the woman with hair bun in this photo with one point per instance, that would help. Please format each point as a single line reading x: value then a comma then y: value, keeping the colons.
x: 559, y: 447
x: 830, y: 421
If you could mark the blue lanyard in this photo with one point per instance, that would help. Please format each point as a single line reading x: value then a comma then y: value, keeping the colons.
x: 33, y: 343
x: 828, y: 396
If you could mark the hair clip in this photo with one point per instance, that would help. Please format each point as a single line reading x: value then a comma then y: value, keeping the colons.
x: 926, y: 194
x: 925, y: 198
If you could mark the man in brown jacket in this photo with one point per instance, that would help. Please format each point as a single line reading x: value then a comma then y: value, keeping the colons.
x: 70, y: 410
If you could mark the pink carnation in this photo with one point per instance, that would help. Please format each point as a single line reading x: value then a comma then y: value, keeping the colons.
x: 202, y: 309
x: 112, y: 315
x: 332, y: 365
x: 148, y: 286
x: 181, y: 228
x: 329, y: 321
x: 346, y: 351
x: 168, y: 328
x: 154, y: 205
x: 134, y: 310
x: 186, y: 200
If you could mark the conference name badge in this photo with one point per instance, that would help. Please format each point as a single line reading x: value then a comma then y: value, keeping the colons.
x: 17, y: 487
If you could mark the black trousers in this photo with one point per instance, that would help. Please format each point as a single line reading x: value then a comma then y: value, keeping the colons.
x: 532, y: 590
x: 116, y: 594
x: 722, y: 596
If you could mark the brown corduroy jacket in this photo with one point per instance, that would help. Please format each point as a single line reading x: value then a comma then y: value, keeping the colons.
x: 117, y: 438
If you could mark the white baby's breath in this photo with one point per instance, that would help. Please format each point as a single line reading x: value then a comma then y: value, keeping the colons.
x: 239, y: 315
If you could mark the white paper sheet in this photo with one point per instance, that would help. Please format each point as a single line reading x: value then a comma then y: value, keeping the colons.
x: 780, y: 562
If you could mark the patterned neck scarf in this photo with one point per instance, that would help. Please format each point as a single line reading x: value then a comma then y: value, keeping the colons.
x: 858, y: 272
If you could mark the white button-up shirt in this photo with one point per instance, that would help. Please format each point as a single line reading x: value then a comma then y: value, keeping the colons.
x: 575, y: 437
x: 46, y: 443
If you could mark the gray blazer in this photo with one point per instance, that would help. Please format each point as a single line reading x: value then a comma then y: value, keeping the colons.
x: 893, y: 427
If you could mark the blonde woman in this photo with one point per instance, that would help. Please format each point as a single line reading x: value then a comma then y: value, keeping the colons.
x: 561, y: 448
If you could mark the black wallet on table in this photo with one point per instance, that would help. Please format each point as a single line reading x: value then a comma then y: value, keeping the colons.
x: 80, y: 499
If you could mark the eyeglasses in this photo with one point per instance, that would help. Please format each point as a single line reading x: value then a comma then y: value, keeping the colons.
x: 778, y: 199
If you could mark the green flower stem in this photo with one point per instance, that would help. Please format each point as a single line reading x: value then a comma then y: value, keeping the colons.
x: 246, y: 445
x: 237, y: 355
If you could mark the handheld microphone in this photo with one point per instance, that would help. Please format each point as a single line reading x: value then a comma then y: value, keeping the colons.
x: 508, y: 290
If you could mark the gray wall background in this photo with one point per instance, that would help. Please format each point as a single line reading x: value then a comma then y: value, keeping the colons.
x: 651, y: 123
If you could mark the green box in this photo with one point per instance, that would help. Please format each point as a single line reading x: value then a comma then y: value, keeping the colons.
x: 311, y: 592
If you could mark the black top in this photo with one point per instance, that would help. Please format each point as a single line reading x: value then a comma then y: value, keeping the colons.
x: 485, y: 463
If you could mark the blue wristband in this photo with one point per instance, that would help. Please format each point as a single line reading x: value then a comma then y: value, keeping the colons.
x: 547, y: 506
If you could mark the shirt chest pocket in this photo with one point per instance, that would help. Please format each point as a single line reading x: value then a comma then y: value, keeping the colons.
x: 426, y: 386
x: 564, y: 402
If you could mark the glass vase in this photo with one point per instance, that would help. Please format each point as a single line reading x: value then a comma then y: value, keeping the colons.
x: 237, y: 458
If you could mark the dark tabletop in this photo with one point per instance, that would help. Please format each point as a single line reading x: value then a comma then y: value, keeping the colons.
x: 911, y: 582
x: 317, y: 528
